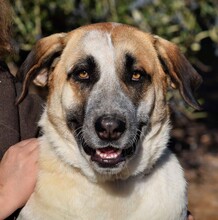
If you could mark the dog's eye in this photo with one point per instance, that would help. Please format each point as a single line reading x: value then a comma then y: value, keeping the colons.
x: 136, y: 76
x: 83, y: 75
x: 139, y: 76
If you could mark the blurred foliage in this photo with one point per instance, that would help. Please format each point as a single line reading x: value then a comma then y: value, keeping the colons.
x: 184, y: 22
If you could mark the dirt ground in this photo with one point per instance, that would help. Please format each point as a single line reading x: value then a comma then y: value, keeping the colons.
x: 201, y: 169
x: 203, y: 188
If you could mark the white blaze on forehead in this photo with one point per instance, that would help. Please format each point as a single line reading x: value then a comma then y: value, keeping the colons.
x: 99, y: 45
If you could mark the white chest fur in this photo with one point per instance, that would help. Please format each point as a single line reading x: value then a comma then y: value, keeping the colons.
x: 62, y: 192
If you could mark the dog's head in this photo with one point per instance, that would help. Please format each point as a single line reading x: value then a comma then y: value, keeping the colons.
x: 107, y: 95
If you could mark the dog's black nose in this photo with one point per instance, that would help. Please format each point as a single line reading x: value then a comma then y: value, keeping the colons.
x: 109, y: 127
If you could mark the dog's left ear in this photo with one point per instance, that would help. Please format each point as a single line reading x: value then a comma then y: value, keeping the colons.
x: 182, y: 74
x: 40, y: 61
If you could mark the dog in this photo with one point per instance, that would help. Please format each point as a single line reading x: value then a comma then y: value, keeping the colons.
x: 103, y: 152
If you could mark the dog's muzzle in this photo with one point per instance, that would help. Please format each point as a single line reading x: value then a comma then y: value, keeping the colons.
x: 110, y: 129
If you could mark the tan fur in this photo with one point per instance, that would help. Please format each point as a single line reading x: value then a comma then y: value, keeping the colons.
x: 70, y: 185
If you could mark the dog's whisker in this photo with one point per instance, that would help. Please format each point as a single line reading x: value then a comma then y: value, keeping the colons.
x: 77, y: 131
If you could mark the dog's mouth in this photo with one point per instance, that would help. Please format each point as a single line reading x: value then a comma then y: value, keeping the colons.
x: 109, y: 157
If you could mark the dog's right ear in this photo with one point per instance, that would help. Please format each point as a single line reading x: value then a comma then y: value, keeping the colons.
x: 40, y: 61
x: 183, y: 76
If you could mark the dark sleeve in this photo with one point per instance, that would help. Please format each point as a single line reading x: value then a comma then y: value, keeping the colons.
x: 9, y: 116
x: 16, y: 122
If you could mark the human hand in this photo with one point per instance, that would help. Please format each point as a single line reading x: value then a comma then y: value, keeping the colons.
x: 18, y: 172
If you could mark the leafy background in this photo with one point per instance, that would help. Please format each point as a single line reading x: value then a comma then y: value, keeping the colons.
x: 191, y: 24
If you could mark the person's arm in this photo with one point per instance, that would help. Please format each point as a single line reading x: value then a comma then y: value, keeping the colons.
x: 18, y: 172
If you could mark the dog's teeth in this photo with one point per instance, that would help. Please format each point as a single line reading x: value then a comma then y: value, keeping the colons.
x: 103, y: 155
x: 98, y: 152
x: 114, y: 155
x: 109, y: 155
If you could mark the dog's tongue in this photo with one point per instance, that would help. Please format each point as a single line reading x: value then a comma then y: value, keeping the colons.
x: 108, y: 150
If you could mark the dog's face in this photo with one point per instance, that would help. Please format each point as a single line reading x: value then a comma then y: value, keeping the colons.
x: 107, y: 93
